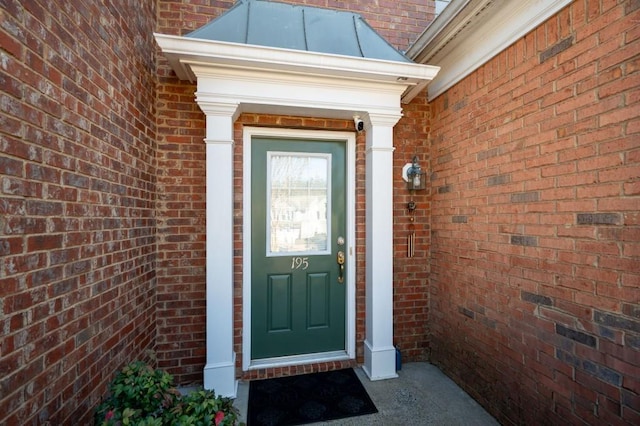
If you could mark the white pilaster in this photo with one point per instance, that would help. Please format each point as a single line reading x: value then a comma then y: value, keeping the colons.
x: 379, y: 352
x: 219, y: 371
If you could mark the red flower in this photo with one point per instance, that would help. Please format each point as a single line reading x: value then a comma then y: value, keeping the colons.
x: 219, y: 417
x: 109, y: 415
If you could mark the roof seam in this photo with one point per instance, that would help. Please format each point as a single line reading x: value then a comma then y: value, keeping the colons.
x: 246, y: 32
x: 355, y: 30
x: 304, y: 30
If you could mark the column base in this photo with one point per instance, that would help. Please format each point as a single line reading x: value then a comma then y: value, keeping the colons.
x: 222, y: 378
x: 379, y: 363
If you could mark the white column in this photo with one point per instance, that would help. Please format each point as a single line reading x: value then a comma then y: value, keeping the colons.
x: 379, y: 352
x: 219, y: 371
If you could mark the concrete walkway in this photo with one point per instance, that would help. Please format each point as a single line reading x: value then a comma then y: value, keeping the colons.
x: 421, y: 395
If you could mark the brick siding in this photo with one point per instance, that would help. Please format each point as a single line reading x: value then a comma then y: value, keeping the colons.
x: 410, y: 274
x: 534, y: 295
x: 77, y: 200
x: 525, y: 282
x: 181, y: 236
x: 181, y: 206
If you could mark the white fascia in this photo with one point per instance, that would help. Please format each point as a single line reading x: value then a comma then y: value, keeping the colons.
x: 185, y: 53
x: 261, y: 91
x: 469, y: 33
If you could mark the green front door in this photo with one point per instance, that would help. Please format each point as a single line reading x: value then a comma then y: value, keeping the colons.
x: 298, y: 224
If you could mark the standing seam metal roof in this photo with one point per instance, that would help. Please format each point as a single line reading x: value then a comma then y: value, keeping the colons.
x: 312, y: 29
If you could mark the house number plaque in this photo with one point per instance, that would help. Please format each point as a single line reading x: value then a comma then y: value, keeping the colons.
x: 299, y: 263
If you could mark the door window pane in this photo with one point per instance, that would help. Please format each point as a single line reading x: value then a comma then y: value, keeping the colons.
x: 298, y: 202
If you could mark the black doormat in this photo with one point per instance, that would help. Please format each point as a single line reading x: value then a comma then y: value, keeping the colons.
x: 308, y: 398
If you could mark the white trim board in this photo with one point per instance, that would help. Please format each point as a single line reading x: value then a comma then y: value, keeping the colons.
x: 186, y: 54
x: 469, y: 33
x: 350, y: 345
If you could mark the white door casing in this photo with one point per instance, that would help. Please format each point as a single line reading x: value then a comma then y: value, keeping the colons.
x: 349, y: 137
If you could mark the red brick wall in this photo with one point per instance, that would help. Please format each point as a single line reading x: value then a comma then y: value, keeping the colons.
x: 77, y: 194
x: 535, y: 256
x: 181, y: 207
x: 179, y: 17
x: 410, y: 274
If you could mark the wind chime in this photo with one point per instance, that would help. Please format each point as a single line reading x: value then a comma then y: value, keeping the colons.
x: 411, y: 238
x: 413, y: 175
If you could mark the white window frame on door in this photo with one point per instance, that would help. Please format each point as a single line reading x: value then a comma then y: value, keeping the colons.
x: 350, y: 344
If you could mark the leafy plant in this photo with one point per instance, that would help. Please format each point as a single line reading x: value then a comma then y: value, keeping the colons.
x: 142, y: 396
x: 203, y: 408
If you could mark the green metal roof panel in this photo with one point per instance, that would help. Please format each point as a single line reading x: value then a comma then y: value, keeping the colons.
x: 227, y: 27
x: 275, y: 25
x: 330, y: 31
x: 281, y: 25
x: 372, y: 44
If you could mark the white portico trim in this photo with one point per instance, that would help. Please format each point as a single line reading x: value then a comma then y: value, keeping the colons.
x: 219, y: 371
x: 468, y: 33
x: 234, y: 78
x: 379, y: 352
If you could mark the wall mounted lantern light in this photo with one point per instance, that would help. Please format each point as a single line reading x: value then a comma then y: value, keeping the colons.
x: 413, y: 175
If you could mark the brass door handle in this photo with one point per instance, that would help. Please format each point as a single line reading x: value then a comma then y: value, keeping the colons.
x: 340, y: 260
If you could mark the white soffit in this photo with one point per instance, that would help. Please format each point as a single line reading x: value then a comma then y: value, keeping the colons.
x: 185, y: 53
x: 469, y: 33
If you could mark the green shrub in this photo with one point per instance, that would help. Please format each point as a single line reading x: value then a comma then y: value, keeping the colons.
x: 142, y: 396
x: 202, y: 408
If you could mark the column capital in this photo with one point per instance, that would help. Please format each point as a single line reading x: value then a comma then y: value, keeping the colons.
x: 220, y: 117
x: 372, y: 119
x: 217, y: 108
